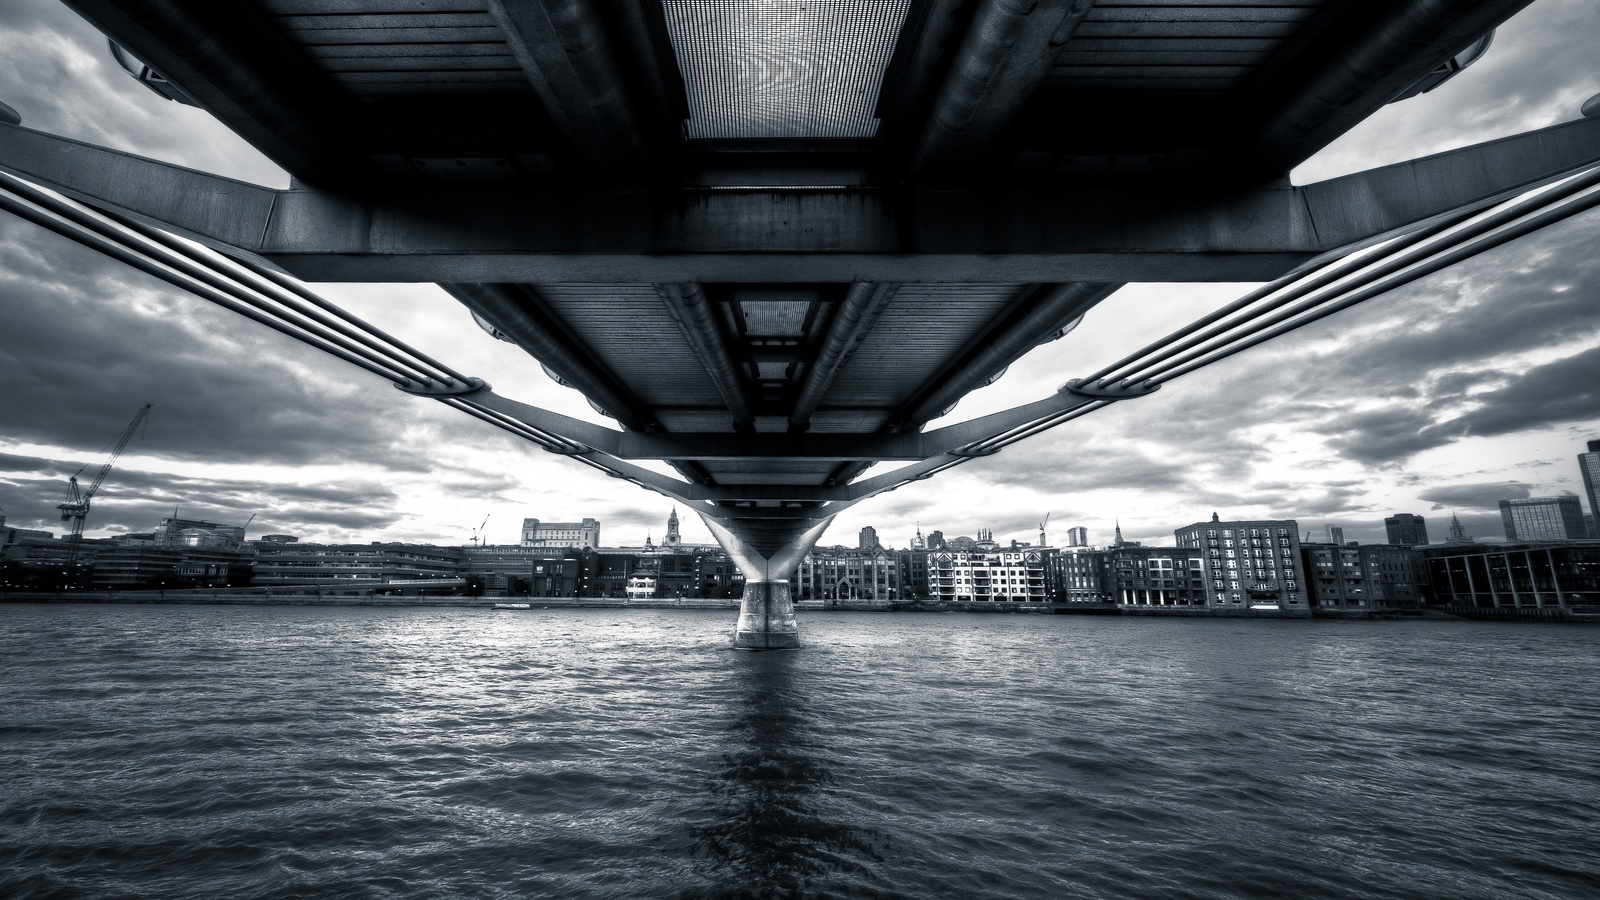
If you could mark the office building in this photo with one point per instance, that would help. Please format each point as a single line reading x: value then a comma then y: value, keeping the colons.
x: 584, y: 535
x: 1077, y: 536
x: 1406, y: 530
x: 176, y: 532
x: 1250, y: 564
x: 1363, y: 577
x: 1075, y: 576
x: 1544, y: 519
x: 1589, y: 468
x: 868, y: 539
x: 353, y: 566
x: 1538, y: 575
x: 1335, y: 535
x: 849, y: 573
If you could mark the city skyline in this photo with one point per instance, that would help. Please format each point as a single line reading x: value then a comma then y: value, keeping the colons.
x: 1470, y: 387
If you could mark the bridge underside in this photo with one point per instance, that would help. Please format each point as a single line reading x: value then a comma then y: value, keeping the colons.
x: 764, y: 280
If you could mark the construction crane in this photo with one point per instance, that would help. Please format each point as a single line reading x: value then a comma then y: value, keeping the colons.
x: 76, y: 509
x: 1046, y: 521
x: 478, y: 532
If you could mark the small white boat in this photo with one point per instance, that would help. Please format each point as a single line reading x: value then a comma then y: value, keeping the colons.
x: 513, y: 606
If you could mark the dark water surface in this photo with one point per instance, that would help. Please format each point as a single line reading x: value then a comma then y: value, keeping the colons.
x: 234, y: 752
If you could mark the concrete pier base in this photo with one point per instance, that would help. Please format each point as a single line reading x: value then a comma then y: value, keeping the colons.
x: 766, y: 618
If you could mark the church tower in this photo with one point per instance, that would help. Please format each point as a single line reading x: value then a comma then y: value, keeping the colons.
x: 673, y: 539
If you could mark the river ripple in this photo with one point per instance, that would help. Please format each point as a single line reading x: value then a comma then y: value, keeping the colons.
x: 164, y: 751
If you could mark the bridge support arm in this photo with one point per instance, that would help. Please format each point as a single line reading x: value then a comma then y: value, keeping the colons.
x: 766, y: 613
x: 1048, y: 234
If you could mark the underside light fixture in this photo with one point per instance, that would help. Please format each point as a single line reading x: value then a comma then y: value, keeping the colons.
x: 783, y: 68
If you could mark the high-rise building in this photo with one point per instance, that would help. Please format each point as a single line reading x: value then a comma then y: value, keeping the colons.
x: 1406, y: 530
x: 1335, y: 535
x: 868, y: 539
x: 583, y: 535
x: 1077, y: 536
x: 1249, y: 564
x: 1544, y: 519
x: 1589, y: 467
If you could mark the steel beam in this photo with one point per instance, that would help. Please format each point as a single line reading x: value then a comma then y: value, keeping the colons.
x: 238, y: 66
x: 1047, y: 234
x: 1352, y: 67
x: 854, y: 319
x: 688, y: 306
x: 1039, y: 315
x: 519, y: 316
x: 563, y: 48
x: 1006, y: 52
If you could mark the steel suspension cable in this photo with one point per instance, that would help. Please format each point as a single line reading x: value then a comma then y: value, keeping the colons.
x: 232, y: 296
x: 298, y: 298
x: 1550, y: 217
x: 119, y: 252
x: 1377, y: 270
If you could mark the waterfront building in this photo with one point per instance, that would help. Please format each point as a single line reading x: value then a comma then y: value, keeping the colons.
x: 849, y: 573
x: 1589, y: 468
x: 914, y: 572
x: 584, y: 535
x: 1562, y: 575
x: 1363, y: 577
x: 1075, y: 575
x: 1544, y: 519
x: 1406, y: 530
x: 1135, y: 575
x: 1077, y: 536
x: 1249, y: 564
x: 641, y: 583
x: 353, y: 566
x: 1014, y: 575
x: 513, y: 569
x: 718, y: 576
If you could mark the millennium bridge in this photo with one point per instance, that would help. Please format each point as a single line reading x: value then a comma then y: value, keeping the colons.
x: 771, y: 240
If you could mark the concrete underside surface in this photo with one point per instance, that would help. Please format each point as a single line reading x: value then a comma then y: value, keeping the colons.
x: 766, y: 618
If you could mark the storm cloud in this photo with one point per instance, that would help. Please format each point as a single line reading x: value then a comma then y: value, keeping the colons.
x: 1467, y: 387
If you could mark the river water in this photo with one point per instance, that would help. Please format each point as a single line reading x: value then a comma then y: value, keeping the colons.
x: 237, y: 752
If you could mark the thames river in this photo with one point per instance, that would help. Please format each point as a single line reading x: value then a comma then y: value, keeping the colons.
x: 238, y: 752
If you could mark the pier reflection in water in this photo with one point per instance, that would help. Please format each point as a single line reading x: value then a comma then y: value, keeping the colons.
x: 772, y: 830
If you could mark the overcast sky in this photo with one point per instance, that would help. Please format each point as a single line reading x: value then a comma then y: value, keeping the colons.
x: 1475, y: 385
